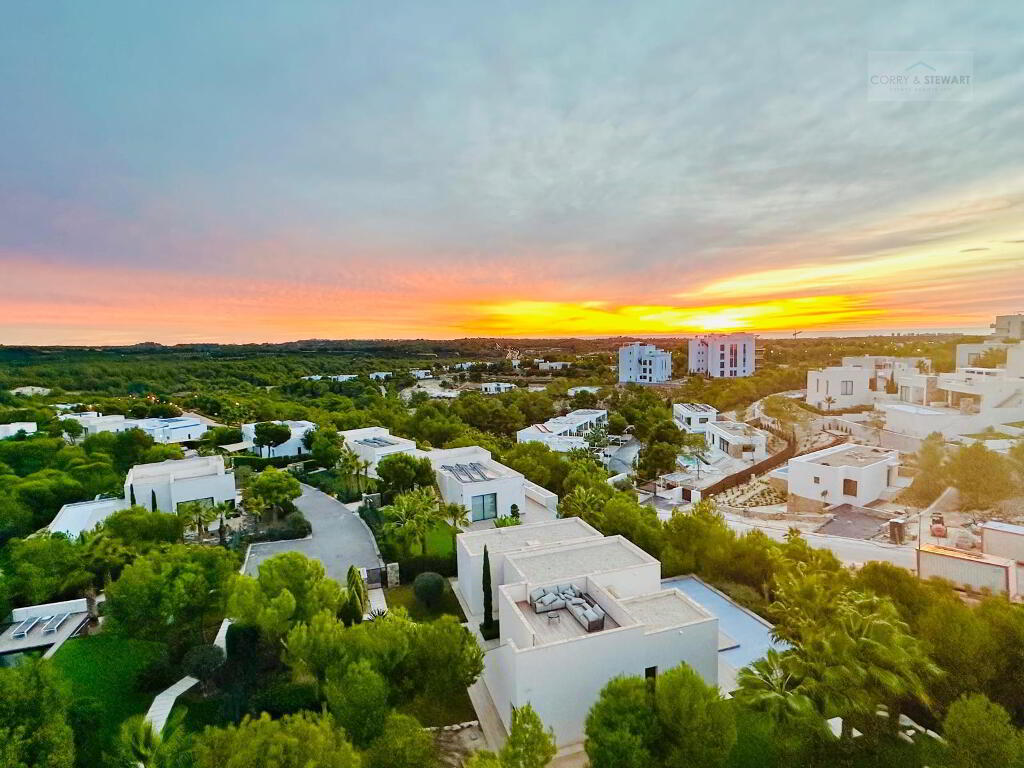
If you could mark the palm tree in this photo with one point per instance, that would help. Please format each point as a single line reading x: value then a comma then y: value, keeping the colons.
x: 830, y: 401
x: 456, y: 515
x: 197, y: 515
x: 140, y: 740
x: 582, y: 502
x: 410, y: 516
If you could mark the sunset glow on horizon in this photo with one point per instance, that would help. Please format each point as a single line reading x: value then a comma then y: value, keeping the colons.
x: 166, y: 175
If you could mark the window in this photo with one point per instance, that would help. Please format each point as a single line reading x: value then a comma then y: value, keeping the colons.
x: 817, y: 481
x: 847, y: 388
x: 207, y: 502
x: 849, y: 487
x: 650, y: 673
x: 485, y: 507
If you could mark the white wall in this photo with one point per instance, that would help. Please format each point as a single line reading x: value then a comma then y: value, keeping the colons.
x: 832, y: 382
x: 872, y: 481
x: 171, y: 492
x: 706, y: 355
x: 10, y: 430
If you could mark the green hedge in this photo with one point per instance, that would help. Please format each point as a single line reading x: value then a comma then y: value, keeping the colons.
x: 411, y: 567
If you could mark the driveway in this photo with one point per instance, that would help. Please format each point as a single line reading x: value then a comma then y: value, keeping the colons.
x: 340, y: 538
x: 622, y: 460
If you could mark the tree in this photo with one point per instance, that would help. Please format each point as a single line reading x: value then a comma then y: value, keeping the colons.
x: 980, y: 734
x: 293, y: 741
x: 620, y: 727
x: 270, y: 434
x: 429, y: 588
x: 197, y: 515
x: 829, y: 402
x: 444, y: 658
x: 358, y: 699
x: 33, y: 717
x: 932, y: 474
x: 696, y: 725
x: 456, y: 515
x: 72, y: 429
x: 528, y: 744
x: 488, y: 592
x: 403, y: 744
x: 983, y: 477
x: 202, y: 663
x: 142, y: 529
x: 585, y: 503
x: 171, y: 595
x: 616, y: 424
x: 400, y: 472
x: 657, y: 459
x: 410, y: 517
x: 313, y: 647
x: 45, y: 567
x: 272, y: 490
x: 357, y: 591
x: 289, y: 588
x: 324, y: 446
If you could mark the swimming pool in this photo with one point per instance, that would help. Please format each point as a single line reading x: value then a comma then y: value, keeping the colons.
x: 751, y: 633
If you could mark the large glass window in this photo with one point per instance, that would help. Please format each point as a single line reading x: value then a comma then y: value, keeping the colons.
x: 847, y: 388
x: 485, y: 507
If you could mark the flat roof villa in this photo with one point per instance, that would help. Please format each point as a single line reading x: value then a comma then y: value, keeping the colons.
x: 176, y: 429
x: 738, y: 440
x: 293, y: 446
x: 693, y: 417
x: 74, y: 519
x: 176, y: 481
x: 469, y: 476
x: 371, y: 444
x: 565, y: 433
x: 13, y: 428
x: 496, y: 387
x: 577, y: 609
x: 851, y: 474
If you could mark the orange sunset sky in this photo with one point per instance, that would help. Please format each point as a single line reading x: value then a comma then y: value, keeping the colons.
x: 166, y: 174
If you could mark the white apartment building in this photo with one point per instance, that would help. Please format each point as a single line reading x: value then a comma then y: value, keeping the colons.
x: 564, y: 433
x: 839, y: 387
x: 576, y: 610
x: 842, y: 474
x: 694, y: 417
x: 644, y: 364
x: 291, y: 447
x: 469, y: 476
x: 723, y: 355
x: 12, y: 429
x: 1009, y: 327
x: 885, y: 368
x: 177, y: 429
x: 371, y: 444
x: 965, y: 402
x: 177, y: 481
x: 496, y: 387
x: 545, y: 365
x: 738, y: 440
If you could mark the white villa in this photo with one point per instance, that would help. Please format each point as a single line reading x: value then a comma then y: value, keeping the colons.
x: 496, y: 387
x: 839, y: 387
x: 177, y: 429
x: 422, y: 373
x: 738, y: 440
x: 694, y: 417
x: 557, y: 365
x: 12, y: 429
x: 576, y: 390
x: 291, y: 447
x: 1009, y: 327
x: 469, y: 476
x: 723, y: 355
x: 337, y: 377
x: 371, y: 444
x: 885, y: 368
x: 967, y: 355
x: 577, y: 609
x: 564, y: 433
x: 462, y: 366
x: 843, y: 474
x: 177, y: 481
x: 644, y: 364
x: 381, y: 375
x: 83, y: 516
x: 968, y: 401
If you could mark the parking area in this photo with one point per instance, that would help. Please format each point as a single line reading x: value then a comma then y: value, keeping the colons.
x: 340, y: 538
x: 854, y: 522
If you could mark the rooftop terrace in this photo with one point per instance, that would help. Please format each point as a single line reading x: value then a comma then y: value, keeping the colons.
x: 519, y: 536
x: 588, y: 557
x: 665, y: 609
x: 848, y: 456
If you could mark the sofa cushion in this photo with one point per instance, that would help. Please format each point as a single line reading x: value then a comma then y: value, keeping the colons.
x: 565, y: 587
x: 547, y: 599
x: 536, y: 594
x: 576, y: 601
x: 589, y: 615
x: 598, y: 610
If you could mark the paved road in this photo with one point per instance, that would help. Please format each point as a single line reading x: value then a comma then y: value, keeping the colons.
x: 339, y: 539
x: 849, y: 551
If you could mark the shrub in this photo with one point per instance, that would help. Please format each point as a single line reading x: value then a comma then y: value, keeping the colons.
x: 202, y: 662
x: 294, y: 526
x: 429, y: 588
x: 158, y: 673
x: 411, y: 567
x: 285, y: 698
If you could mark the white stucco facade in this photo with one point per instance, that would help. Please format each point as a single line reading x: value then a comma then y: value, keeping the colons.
x: 694, y: 417
x: 469, y: 476
x: 723, y: 355
x: 738, y: 440
x: 13, y: 428
x: 848, y: 473
x: 371, y: 444
x: 496, y: 387
x: 176, y: 481
x: 564, y: 433
x: 644, y: 364
x: 839, y: 387
x: 175, y: 429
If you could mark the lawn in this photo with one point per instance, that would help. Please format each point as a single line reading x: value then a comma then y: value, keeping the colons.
x: 403, y: 597
x: 439, y: 541
x: 104, y: 667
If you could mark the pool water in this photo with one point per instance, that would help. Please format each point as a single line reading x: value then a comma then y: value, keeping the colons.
x: 751, y: 633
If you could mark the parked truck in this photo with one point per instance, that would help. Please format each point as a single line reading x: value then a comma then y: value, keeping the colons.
x: 974, y: 571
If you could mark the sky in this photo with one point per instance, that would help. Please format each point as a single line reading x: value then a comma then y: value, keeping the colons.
x: 267, y: 171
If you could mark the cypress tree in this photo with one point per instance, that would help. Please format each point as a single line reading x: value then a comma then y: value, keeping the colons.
x: 131, y: 497
x: 152, y: 500
x: 488, y: 607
